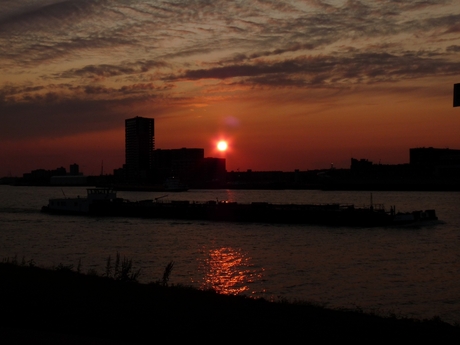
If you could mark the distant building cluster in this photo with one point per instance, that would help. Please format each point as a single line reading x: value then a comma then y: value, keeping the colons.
x: 57, y: 177
x: 428, y: 169
x: 423, y: 161
x: 145, y: 164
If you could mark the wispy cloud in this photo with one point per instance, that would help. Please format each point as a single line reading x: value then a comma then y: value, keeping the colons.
x: 344, y: 68
x: 104, y: 70
x: 109, y: 54
x: 111, y: 39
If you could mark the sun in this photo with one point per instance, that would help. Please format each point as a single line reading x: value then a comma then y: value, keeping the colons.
x: 222, y: 145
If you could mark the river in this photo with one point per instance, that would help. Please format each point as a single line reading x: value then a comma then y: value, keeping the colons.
x: 409, y: 272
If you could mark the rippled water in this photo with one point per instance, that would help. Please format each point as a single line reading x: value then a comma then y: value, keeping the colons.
x: 411, y: 271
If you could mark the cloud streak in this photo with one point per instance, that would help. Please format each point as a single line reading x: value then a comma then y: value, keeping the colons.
x: 353, y: 68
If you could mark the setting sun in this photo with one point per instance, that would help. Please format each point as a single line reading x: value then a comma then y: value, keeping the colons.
x: 222, y: 145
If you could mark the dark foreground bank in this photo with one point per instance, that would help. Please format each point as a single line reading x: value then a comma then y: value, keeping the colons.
x: 40, y: 306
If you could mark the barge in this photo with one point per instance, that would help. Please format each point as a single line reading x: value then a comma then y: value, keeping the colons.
x: 104, y: 202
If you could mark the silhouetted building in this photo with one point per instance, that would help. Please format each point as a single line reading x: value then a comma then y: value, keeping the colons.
x: 41, y: 177
x: 181, y: 163
x: 74, y: 178
x: 440, y: 162
x: 457, y: 95
x: 429, y: 157
x: 361, y: 165
x: 74, y: 169
x: 212, y: 172
x: 140, y: 144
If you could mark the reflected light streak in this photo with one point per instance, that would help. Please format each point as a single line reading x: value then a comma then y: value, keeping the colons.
x: 227, y: 271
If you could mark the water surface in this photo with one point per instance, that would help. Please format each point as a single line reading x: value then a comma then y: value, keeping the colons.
x: 411, y: 271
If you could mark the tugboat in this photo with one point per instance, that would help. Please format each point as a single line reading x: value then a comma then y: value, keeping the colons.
x: 80, y: 205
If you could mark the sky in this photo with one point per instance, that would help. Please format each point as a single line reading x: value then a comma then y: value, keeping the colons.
x: 288, y: 84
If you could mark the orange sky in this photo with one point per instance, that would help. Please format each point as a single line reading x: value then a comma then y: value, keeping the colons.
x: 290, y: 84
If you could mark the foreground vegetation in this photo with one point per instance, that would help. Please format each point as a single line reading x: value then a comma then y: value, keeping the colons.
x: 64, y: 306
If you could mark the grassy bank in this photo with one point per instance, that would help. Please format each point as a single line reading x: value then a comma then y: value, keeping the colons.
x: 65, y: 307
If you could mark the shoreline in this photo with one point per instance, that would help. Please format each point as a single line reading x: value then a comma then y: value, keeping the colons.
x: 53, y: 305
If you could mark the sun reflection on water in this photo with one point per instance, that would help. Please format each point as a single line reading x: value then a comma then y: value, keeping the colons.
x: 228, y: 271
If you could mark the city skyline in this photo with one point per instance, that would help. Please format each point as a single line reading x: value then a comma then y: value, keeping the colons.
x: 287, y: 84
